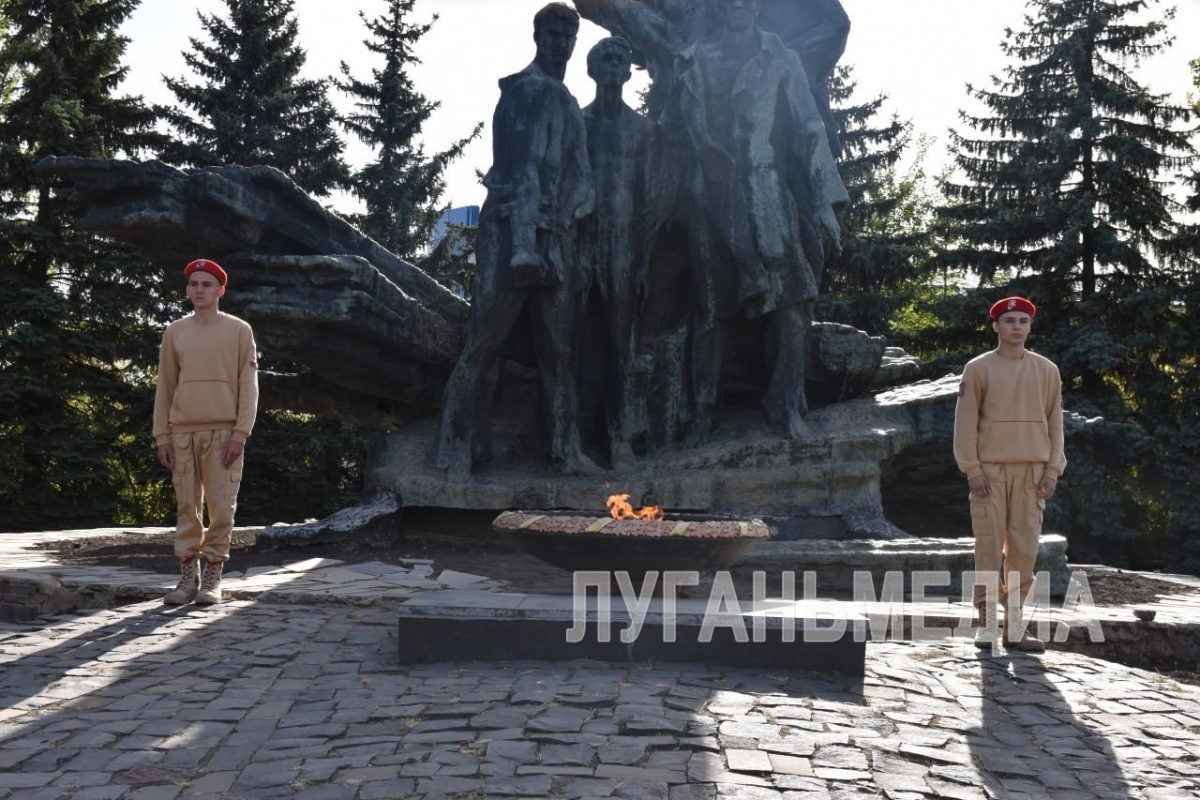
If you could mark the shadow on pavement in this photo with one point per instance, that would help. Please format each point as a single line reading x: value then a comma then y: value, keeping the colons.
x: 1031, y: 741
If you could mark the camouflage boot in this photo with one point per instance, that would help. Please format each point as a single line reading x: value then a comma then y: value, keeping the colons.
x: 1017, y: 635
x: 210, y: 585
x: 987, y: 630
x: 189, y: 583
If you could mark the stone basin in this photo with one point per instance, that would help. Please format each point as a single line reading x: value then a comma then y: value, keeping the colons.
x: 682, y: 542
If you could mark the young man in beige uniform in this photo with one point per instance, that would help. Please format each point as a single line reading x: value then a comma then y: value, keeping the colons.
x: 1008, y: 439
x: 204, y: 410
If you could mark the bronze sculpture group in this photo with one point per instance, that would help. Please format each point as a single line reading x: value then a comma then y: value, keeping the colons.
x: 664, y: 256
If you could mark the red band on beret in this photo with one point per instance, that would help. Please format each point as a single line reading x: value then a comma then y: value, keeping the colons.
x: 206, y: 265
x: 1012, y: 304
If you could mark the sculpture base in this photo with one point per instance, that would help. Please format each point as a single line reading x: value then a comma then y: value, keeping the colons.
x: 831, y: 474
x: 512, y: 627
x: 893, y: 563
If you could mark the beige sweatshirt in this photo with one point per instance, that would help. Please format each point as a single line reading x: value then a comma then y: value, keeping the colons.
x: 207, y: 378
x: 1009, y: 410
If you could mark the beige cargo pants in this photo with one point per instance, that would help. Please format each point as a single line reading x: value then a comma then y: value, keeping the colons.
x: 201, y: 480
x: 1007, y: 526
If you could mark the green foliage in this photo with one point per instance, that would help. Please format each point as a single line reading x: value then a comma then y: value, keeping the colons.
x: 1189, y: 237
x: 10, y: 76
x: 298, y: 464
x: 452, y: 261
x: 886, y: 235
x: 251, y: 107
x: 78, y: 314
x: 1064, y: 177
x: 402, y: 186
x: 1062, y: 195
x: 886, y: 238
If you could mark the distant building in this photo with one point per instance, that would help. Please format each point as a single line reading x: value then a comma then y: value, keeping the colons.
x: 463, y: 215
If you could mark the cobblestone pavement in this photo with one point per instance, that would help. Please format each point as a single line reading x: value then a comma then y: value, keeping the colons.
x: 254, y: 700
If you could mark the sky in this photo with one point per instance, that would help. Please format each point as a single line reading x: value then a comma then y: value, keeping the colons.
x: 920, y: 53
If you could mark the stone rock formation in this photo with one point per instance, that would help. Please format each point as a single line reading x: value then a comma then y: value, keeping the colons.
x: 378, y: 336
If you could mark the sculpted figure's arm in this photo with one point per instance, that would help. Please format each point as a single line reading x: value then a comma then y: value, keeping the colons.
x: 642, y: 24
x: 828, y: 192
x: 540, y: 174
x: 529, y: 148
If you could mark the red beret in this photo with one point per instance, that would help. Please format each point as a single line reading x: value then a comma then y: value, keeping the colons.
x: 1012, y: 304
x: 206, y: 265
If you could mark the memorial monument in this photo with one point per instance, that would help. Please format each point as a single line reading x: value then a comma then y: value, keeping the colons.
x: 642, y: 318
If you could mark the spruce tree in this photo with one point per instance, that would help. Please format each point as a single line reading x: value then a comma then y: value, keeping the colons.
x: 251, y: 107
x: 401, y: 187
x: 1064, y: 176
x: 1064, y: 193
x: 77, y: 312
x: 880, y: 238
x: 886, y: 237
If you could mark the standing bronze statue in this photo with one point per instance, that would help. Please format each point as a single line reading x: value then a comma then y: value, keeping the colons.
x: 610, y: 239
x: 659, y: 30
x: 764, y: 196
x: 539, y: 186
x: 706, y: 222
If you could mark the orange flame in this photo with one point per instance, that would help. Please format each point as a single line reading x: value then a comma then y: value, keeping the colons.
x: 618, y: 505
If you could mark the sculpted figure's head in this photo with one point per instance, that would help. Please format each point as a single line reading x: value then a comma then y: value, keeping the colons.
x: 610, y: 61
x: 740, y: 15
x: 554, y: 31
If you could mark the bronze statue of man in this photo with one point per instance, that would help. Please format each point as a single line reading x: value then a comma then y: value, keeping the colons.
x: 539, y: 186
x: 658, y: 30
x: 763, y: 200
x: 610, y: 240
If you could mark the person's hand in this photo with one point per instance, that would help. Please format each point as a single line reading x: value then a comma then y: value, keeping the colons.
x: 233, y: 451
x: 1046, y: 487
x: 166, y: 455
x: 980, y: 486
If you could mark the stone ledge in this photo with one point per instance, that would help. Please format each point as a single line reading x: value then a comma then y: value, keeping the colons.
x: 836, y: 560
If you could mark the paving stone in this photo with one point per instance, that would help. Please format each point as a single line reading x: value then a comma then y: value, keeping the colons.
x: 693, y: 791
x: 500, y: 718
x: 265, y: 776
x: 622, y: 753
x: 109, y: 792
x: 328, y: 791
x: 559, y: 720
x: 83, y: 779
x: 309, y: 683
x: 420, y: 769
x: 443, y: 786
x: 583, y: 787
x: 835, y: 774
x: 790, y: 765
x: 642, y: 790
x: 212, y: 783
x: 623, y: 773
x: 155, y: 793
x: 387, y: 790
x: 734, y: 791
x: 512, y: 750
x: 747, y: 760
